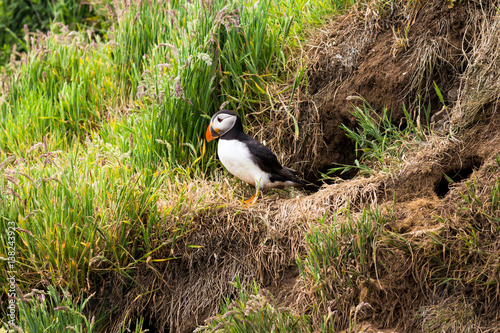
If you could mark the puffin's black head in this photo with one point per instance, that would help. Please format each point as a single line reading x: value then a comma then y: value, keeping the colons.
x: 221, y: 123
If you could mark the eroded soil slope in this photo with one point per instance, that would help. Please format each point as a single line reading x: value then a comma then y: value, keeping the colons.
x: 389, y: 57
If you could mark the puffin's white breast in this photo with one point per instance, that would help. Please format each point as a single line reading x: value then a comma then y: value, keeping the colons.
x: 237, y: 159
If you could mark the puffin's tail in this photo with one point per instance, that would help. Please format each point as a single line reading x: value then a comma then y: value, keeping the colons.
x: 294, y: 177
x: 306, y: 185
x: 292, y: 171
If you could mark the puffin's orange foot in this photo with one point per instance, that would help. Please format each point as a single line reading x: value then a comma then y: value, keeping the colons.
x: 252, y: 200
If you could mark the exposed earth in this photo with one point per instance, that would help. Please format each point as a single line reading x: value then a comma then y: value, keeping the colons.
x: 390, y: 60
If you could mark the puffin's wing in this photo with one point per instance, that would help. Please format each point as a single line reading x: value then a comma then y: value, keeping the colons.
x: 263, y: 156
x: 267, y: 161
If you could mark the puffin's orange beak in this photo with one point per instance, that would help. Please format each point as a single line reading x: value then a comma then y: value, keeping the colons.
x: 211, y: 133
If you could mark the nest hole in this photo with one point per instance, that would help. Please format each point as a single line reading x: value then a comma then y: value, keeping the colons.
x: 149, y: 325
x: 456, y: 175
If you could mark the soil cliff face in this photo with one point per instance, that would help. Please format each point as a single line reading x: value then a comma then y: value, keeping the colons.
x: 390, y: 58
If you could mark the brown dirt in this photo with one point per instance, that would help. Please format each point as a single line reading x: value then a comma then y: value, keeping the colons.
x: 420, y: 218
x: 360, y: 55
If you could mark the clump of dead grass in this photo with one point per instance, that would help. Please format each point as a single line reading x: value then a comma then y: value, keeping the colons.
x: 480, y: 89
x: 450, y: 314
x: 333, y: 53
x: 206, y: 238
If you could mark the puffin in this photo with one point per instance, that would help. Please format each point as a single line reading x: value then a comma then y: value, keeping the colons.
x: 246, y: 158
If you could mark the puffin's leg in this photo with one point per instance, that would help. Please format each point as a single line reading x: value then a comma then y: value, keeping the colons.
x: 253, y: 199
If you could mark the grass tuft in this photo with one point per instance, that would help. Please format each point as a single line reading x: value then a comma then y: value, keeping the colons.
x: 255, y: 312
x: 382, y: 143
x: 341, y: 263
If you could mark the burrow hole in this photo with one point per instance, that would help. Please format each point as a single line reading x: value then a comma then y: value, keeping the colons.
x: 442, y: 187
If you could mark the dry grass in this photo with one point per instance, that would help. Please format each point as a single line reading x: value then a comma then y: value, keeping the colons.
x: 446, y: 49
x: 450, y: 314
x: 222, y: 240
x: 480, y: 89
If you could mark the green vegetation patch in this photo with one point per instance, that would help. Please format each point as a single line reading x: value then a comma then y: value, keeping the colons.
x: 100, y: 129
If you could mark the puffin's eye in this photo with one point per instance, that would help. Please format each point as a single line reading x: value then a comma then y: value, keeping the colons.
x: 219, y: 119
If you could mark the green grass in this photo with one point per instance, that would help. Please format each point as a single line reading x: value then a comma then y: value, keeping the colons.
x: 380, y: 144
x: 170, y: 64
x: 53, y: 312
x: 35, y: 15
x: 75, y: 206
x: 94, y: 126
x: 340, y: 257
x: 254, y: 311
x: 62, y: 89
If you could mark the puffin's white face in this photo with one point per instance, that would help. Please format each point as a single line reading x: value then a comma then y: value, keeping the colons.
x: 219, y: 125
x: 223, y: 123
